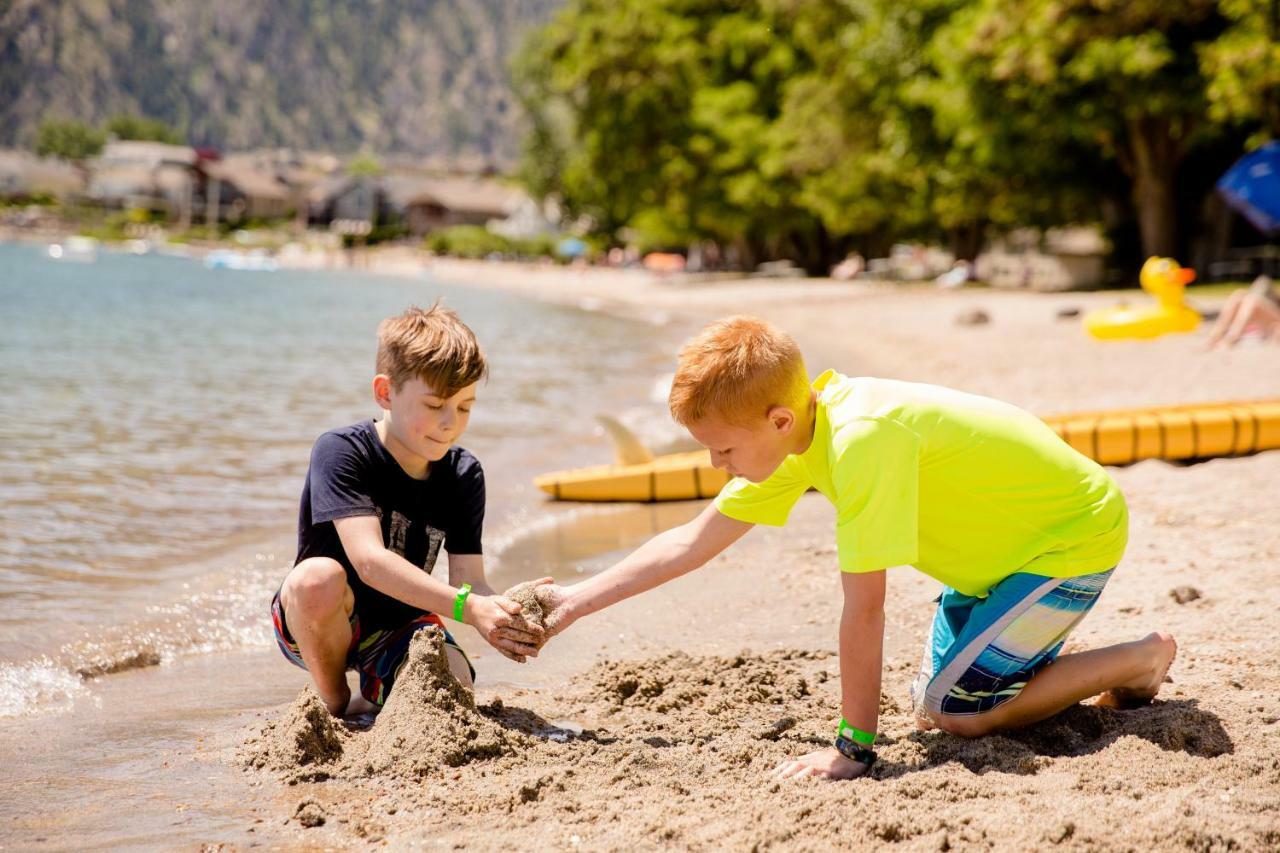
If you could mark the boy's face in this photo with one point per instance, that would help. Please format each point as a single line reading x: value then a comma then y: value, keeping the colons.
x: 752, y: 451
x: 421, y: 421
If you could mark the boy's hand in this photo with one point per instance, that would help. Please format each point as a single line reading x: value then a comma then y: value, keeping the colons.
x: 499, y: 621
x: 556, y: 615
x: 823, y: 764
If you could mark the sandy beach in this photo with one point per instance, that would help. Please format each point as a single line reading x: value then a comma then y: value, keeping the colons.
x: 653, y: 724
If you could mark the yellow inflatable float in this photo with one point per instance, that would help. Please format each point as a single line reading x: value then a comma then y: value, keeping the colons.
x: 1118, y: 437
x: 1166, y: 281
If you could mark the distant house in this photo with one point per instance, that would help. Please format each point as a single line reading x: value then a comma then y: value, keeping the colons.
x: 149, y: 175
x: 345, y: 198
x: 445, y: 202
x: 23, y: 175
x: 243, y: 191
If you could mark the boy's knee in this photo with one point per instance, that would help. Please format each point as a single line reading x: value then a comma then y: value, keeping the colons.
x: 315, y: 588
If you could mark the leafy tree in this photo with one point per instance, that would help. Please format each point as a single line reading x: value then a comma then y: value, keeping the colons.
x: 800, y: 128
x: 364, y: 165
x: 1122, y: 78
x: 69, y: 140
x: 143, y: 128
x: 1243, y: 66
x: 657, y: 115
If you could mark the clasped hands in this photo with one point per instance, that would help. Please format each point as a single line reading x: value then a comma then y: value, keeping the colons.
x: 504, y: 625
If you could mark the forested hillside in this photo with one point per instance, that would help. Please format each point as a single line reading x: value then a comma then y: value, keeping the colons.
x: 426, y: 77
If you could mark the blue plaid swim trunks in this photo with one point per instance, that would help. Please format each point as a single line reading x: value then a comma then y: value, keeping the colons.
x: 983, y: 651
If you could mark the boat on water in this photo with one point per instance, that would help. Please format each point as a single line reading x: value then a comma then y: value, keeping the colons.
x: 255, y: 261
x: 82, y: 250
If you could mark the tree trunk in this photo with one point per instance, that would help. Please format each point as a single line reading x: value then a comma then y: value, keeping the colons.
x: 967, y: 240
x: 1155, y: 154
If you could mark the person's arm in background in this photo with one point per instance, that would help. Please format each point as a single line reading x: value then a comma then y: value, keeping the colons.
x: 1256, y: 306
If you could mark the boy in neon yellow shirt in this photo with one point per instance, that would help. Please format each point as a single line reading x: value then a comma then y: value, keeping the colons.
x: 1022, y: 530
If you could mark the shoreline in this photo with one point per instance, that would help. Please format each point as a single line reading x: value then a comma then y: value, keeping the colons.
x: 1197, y: 525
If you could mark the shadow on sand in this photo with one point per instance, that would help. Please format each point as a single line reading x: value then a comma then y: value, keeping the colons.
x: 1177, y: 725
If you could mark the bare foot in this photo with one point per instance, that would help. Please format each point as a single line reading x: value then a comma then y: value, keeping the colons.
x: 1161, y: 649
x: 360, y: 705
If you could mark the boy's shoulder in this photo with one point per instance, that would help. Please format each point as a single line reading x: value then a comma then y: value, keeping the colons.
x: 360, y: 441
x: 359, y: 437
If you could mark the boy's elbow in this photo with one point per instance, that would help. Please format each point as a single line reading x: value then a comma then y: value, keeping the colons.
x: 367, y: 564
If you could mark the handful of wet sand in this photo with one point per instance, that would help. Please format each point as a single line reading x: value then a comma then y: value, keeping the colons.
x: 531, y: 608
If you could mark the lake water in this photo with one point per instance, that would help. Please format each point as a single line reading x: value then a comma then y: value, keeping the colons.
x: 156, y: 421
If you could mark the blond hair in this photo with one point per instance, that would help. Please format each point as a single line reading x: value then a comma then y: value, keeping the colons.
x: 737, y: 369
x: 432, y: 345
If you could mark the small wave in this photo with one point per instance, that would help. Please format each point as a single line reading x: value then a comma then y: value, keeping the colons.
x: 221, y: 611
x: 38, y: 685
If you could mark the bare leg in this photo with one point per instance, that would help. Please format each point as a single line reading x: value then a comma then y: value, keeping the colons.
x: 317, y: 607
x: 1226, y: 317
x: 458, y: 666
x: 1125, y: 675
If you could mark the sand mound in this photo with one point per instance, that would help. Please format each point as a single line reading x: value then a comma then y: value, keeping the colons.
x: 430, y: 722
x: 301, y: 745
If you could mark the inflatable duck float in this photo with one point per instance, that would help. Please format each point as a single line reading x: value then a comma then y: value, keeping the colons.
x: 1167, y: 282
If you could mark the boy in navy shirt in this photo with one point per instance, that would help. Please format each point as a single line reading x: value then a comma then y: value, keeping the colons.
x: 382, y: 498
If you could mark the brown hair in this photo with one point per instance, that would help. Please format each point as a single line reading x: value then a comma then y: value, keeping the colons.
x: 737, y: 369
x: 434, y: 346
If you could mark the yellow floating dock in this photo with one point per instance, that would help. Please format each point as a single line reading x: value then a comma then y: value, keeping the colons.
x: 1119, y: 437
x: 1201, y: 431
x: 674, y: 477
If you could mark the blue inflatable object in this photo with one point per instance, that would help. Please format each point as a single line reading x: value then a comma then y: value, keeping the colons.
x: 1252, y: 187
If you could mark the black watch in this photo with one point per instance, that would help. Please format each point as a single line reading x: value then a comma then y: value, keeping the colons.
x: 855, y: 751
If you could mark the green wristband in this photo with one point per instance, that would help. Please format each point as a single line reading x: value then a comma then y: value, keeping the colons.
x: 856, y: 735
x: 460, y: 601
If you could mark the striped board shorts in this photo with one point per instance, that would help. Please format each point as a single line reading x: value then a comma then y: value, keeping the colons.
x: 376, y: 655
x: 983, y: 651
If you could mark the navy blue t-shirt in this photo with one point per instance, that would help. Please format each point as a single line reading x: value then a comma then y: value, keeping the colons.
x: 352, y: 473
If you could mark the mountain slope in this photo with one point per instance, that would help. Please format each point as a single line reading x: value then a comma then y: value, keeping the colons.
x: 424, y: 77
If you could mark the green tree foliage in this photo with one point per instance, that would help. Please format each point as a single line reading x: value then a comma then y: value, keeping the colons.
x: 1243, y: 66
x: 143, y: 128
x: 1122, y: 79
x: 800, y: 128
x: 660, y: 116
x: 69, y: 140
x: 364, y: 165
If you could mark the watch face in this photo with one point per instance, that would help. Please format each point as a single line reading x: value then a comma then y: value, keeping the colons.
x: 855, y: 751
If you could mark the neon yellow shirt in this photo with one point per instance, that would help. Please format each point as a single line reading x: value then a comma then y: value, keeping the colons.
x: 967, y: 489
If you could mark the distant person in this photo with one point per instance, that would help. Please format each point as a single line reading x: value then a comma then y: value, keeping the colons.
x: 381, y: 499
x: 1253, y: 310
x: 1022, y: 531
x: 850, y: 268
x: 960, y: 274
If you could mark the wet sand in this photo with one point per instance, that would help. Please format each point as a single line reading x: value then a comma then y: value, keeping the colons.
x: 686, y: 696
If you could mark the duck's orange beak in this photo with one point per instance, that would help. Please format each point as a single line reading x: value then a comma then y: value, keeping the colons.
x: 1186, y: 275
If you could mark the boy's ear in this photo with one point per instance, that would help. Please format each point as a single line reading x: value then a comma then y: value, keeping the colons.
x: 783, y: 419
x: 382, y: 390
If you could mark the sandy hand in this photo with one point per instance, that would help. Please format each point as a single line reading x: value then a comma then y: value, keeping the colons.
x: 502, y: 624
x: 543, y: 603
